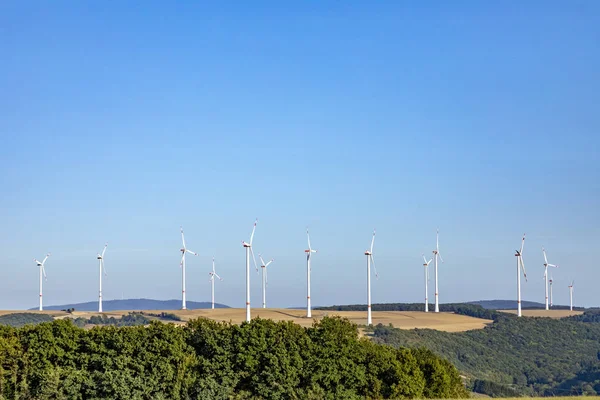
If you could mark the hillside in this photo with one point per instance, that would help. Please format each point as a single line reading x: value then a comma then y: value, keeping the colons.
x: 133, y: 304
x: 512, y: 304
x: 517, y: 356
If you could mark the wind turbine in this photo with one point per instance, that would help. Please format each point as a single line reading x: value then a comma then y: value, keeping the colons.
x: 436, y: 254
x: 182, y: 265
x: 248, y: 247
x: 213, y: 274
x: 520, y: 265
x: 571, y: 294
x: 370, y: 260
x: 308, y: 252
x: 42, y: 271
x: 550, y: 281
x: 426, y: 265
x: 264, y: 266
x: 101, y: 268
x: 546, y: 265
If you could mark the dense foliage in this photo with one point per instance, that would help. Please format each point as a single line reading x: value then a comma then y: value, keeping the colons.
x: 516, y: 355
x: 210, y: 360
x: 131, y: 319
x: 18, y: 320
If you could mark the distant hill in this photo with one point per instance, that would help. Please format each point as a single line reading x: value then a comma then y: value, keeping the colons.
x: 134, y: 304
x: 512, y: 304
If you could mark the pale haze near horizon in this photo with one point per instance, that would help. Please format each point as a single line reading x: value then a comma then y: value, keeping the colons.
x: 121, y: 123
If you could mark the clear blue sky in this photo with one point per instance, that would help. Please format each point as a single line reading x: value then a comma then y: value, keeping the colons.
x: 120, y: 122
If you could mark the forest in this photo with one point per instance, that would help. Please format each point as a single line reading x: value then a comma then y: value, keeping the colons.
x: 516, y: 356
x: 205, y: 359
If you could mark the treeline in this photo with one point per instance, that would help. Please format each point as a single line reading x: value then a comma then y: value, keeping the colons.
x: 210, y: 360
x: 18, y: 320
x: 134, y: 318
x: 471, y: 310
x: 515, y: 356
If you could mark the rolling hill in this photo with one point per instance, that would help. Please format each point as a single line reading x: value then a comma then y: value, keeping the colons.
x: 134, y: 304
x: 512, y: 304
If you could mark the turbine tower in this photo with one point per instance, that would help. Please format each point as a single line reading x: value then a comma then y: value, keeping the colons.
x: 264, y: 266
x: 520, y: 265
x: 550, y: 282
x: 182, y: 265
x: 546, y: 265
x: 42, y: 271
x: 571, y: 294
x: 308, y: 252
x: 370, y: 260
x: 213, y: 274
x: 100, y: 257
x: 426, y: 265
x: 248, y: 247
x: 436, y: 254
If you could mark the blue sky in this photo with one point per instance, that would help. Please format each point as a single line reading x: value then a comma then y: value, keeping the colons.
x: 121, y: 122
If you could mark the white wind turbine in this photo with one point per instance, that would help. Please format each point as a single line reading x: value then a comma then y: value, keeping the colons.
x: 42, y: 271
x: 550, y: 282
x: 436, y: 254
x: 265, y: 281
x: 571, y: 294
x: 248, y: 247
x: 308, y: 252
x: 520, y: 265
x: 426, y: 265
x: 182, y: 265
x: 370, y: 260
x: 213, y: 274
x: 102, y: 269
x: 546, y: 265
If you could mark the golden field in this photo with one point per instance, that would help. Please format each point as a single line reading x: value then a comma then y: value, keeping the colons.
x: 448, y: 322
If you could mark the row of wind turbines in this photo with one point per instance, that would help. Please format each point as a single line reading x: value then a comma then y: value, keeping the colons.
x: 309, y: 252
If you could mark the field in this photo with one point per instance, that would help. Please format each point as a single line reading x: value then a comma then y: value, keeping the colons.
x: 447, y: 322
x: 543, y: 313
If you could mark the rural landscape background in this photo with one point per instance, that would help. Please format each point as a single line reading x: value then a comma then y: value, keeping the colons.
x: 122, y: 124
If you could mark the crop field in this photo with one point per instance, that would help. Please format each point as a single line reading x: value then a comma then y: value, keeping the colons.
x: 443, y: 321
x: 544, y: 313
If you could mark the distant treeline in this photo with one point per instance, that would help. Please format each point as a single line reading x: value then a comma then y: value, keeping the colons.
x: 517, y: 356
x: 18, y: 320
x: 210, y: 360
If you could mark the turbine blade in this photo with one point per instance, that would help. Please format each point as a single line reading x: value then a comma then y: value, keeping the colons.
x: 182, y: 237
x: 372, y: 241
x: 552, y: 265
x: 266, y: 277
x: 254, y: 259
x: 253, y: 229
x: 437, y: 240
x: 424, y: 259
x: 103, y: 269
x: 191, y: 252
x: 262, y: 262
x: 218, y: 276
x: 522, y: 244
x: 44, y: 272
x: 523, y: 267
x: 267, y: 264
x: 45, y: 258
x: 441, y: 258
x: 545, y: 258
x: 373, y: 264
x: 182, y: 259
x: 308, y: 236
x: 104, y: 251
